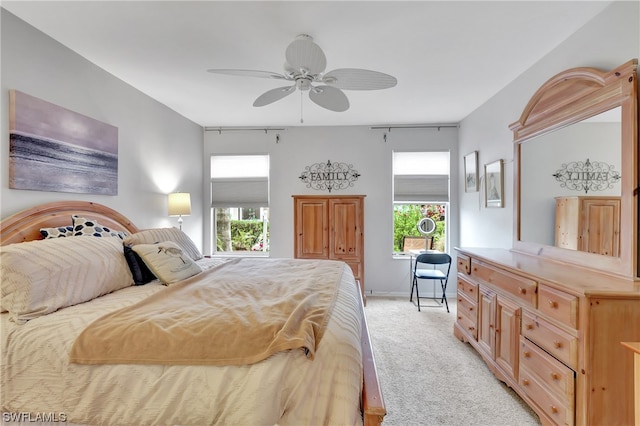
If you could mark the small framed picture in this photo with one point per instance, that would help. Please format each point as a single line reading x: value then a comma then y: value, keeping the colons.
x: 494, y: 184
x: 471, y: 172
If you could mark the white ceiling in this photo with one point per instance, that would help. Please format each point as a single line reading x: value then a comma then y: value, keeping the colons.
x: 449, y: 56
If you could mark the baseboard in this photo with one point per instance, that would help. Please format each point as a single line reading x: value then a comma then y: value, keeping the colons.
x: 395, y: 294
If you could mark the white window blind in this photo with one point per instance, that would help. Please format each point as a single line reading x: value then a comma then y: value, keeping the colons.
x: 420, y: 176
x: 239, y: 181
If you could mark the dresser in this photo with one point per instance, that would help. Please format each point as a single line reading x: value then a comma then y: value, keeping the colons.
x: 552, y: 332
x: 330, y: 227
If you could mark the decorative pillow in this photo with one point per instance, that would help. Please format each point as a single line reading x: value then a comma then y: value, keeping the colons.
x: 61, y: 231
x: 139, y: 270
x: 167, y: 261
x: 40, y: 277
x: 152, y: 236
x: 83, y: 226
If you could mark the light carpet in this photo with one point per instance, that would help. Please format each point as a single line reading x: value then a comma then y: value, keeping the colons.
x: 429, y: 377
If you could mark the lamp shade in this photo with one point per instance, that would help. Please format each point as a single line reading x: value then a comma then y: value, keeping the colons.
x: 179, y: 204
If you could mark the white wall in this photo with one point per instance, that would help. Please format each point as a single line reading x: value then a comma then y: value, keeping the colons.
x: 609, y: 40
x: 370, y: 155
x: 159, y: 151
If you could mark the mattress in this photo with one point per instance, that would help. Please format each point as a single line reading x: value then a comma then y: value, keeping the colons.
x: 286, y: 389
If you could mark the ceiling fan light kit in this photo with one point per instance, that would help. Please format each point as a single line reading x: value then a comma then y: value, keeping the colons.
x: 304, y: 68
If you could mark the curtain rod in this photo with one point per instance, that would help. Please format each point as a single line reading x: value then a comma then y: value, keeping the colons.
x: 415, y: 126
x: 240, y: 129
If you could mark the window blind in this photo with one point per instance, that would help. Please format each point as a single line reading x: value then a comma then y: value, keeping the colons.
x: 240, y: 192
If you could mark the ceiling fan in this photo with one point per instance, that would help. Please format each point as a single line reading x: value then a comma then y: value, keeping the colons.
x: 304, y: 67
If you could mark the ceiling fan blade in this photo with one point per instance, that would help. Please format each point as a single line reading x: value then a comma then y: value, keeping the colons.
x: 273, y: 95
x: 330, y: 98
x: 303, y: 53
x: 249, y: 73
x: 358, y: 79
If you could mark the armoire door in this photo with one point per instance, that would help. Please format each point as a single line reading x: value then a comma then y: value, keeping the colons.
x: 312, y: 228
x: 345, y: 235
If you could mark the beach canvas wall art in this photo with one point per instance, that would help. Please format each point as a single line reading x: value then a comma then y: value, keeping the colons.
x: 54, y: 149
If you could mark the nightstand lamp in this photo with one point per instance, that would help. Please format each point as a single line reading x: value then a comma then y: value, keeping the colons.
x: 179, y: 205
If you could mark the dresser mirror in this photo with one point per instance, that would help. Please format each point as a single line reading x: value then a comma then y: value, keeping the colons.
x: 581, y: 120
x: 579, y: 160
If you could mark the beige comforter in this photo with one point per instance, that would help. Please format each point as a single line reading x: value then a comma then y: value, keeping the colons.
x: 285, y: 389
x: 238, y: 313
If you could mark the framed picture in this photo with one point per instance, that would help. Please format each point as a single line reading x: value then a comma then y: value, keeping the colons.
x: 54, y: 149
x: 494, y: 184
x: 471, y: 172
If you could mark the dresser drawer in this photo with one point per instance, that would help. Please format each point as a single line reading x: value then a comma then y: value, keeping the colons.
x: 470, y: 326
x: 557, y: 342
x: 556, y: 376
x: 464, y: 264
x: 468, y: 288
x: 560, y: 412
x: 523, y: 288
x: 467, y: 307
x: 558, y: 305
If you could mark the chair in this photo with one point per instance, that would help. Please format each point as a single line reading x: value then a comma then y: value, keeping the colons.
x: 435, y: 272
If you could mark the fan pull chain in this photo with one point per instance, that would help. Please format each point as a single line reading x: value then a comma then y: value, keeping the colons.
x: 301, y: 119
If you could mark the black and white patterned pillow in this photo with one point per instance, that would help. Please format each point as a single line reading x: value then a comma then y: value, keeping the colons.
x: 84, y: 226
x: 59, y: 232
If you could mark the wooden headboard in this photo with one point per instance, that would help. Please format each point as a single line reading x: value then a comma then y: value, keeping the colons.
x: 25, y: 225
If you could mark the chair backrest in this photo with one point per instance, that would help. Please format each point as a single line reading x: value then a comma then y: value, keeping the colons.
x: 433, y: 258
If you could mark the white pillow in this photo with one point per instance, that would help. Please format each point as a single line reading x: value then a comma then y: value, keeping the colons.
x: 153, y: 236
x: 167, y: 261
x: 40, y: 277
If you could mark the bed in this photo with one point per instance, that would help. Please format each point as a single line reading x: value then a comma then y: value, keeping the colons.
x: 45, y: 378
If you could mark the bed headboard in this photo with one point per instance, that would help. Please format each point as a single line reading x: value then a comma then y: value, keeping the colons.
x: 25, y: 225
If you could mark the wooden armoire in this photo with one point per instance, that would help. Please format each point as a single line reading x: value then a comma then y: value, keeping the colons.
x: 590, y: 224
x: 330, y: 227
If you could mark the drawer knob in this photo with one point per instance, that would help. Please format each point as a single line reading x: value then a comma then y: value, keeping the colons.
x: 554, y: 376
x: 459, y: 317
x: 553, y: 304
x: 526, y: 354
x: 525, y: 382
x: 472, y: 328
x: 554, y: 409
x: 557, y: 344
x: 528, y: 326
x: 522, y: 290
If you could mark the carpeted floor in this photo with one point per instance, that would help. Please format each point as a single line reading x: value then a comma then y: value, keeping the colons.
x: 429, y: 377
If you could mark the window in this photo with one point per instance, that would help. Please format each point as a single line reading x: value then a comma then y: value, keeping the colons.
x: 420, y: 189
x: 240, y: 203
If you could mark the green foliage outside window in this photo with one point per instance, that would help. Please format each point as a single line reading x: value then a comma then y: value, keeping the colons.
x: 406, y: 217
x: 246, y: 235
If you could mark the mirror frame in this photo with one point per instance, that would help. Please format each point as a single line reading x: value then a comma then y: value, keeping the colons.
x: 567, y: 98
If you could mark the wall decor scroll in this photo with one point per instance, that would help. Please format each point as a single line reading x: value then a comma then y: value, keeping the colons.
x: 587, y: 176
x: 329, y: 176
x: 54, y: 149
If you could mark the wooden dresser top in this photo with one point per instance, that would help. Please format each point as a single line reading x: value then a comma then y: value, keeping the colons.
x: 567, y: 277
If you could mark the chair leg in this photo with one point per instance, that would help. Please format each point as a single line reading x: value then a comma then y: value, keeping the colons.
x: 417, y: 295
x: 413, y: 284
x: 444, y: 296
